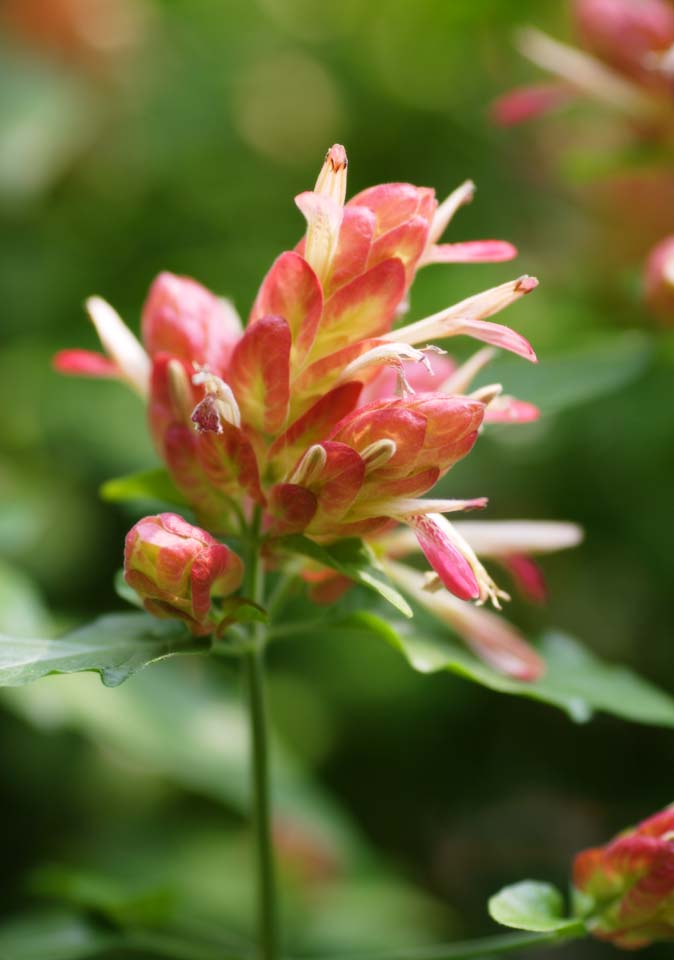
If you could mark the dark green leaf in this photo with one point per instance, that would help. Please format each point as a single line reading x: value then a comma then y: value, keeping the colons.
x: 565, y: 381
x: 146, y: 485
x: 115, y: 646
x: 530, y: 905
x: 575, y: 679
x: 353, y: 559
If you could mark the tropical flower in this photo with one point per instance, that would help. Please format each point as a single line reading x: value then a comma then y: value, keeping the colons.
x: 322, y: 416
x: 627, y: 886
x: 177, y: 569
x: 627, y: 62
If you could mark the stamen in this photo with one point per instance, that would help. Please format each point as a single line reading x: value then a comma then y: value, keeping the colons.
x: 310, y: 466
x: 486, y: 394
x: 378, y: 454
x: 222, y: 401
x: 332, y: 177
x: 179, y: 390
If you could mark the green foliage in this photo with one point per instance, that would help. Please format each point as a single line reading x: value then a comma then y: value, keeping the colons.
x: 52, y: 935
x: 144, y: 485
x: 575, y: 680
x: 570, y: 379
x: 531, y: 905
x: 115, y: 646
x: 353, y: 559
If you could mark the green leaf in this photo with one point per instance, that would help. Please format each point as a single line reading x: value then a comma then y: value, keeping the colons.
x: 530, y: 905
x: 52, y: 935
x: 353, y: 559
x: 146, y: 485
x: 575, y: 680
x: 562, y: 382
x: 188, y: 727
x: 115, y: 646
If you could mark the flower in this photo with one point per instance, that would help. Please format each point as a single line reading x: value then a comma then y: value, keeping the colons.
x: 627, y: 886
x: 177, y: 569
x: 659, y: 280
x: 627, y: 62
x: 325, y: 415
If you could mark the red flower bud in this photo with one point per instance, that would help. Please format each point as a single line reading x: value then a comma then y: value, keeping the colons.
x: 629, y: 884
x: 177, y: 568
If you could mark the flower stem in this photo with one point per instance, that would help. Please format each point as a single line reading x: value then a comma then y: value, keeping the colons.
x: 253, y: 666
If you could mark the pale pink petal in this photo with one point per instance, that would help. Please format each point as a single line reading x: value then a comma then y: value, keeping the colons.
x: 491, y: 637
x: 494, y: 538
x: 84, y: 363
x: 467, y: 317
x: 527, y: 103
x: 470, y: 251
x: 527, y: 575
x: 121, y: 346
x: 505, y: 409
x: 495, y: 334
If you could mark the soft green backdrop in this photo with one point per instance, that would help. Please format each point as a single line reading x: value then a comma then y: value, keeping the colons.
x: 183, y: 152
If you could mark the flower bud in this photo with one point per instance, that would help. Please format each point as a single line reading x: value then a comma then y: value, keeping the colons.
x: 177, y: 569
x: 659, y: 280
x: 627, y: 886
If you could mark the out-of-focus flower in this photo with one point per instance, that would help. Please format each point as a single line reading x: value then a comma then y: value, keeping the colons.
x: 627, y: 886
x: 84, y: 30
x: 627, y: 34
x: 178, y: 569
x: 627, y: 63
x: 323, y: 415
x: 659, y: 280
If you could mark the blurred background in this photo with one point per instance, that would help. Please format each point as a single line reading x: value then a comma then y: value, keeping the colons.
x: 141, y: 135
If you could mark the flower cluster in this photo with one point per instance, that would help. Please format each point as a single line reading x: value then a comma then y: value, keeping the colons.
x: 627, y: 62
x: 323, y: 417
x: 627, y: 886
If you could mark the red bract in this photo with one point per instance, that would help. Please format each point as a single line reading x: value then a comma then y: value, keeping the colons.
x: 629, y: 884
x: 177, y: 569
x: 310, y: 416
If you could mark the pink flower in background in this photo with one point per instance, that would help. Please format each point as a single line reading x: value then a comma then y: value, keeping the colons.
x: 628, y: 885
x: 659, y: 280
x: 177, y: 569
x: 626, y: 62
x: 323, y: 414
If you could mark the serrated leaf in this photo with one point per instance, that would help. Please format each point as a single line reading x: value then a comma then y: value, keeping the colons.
x: 530, y: 905
x: 115, y: 646
x: 146, y: 485
x: 353, y: 559
x: 571, y: 379
x: 575, y: 680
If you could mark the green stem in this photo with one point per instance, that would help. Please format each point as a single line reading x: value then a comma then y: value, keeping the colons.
x: 253, y: 665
